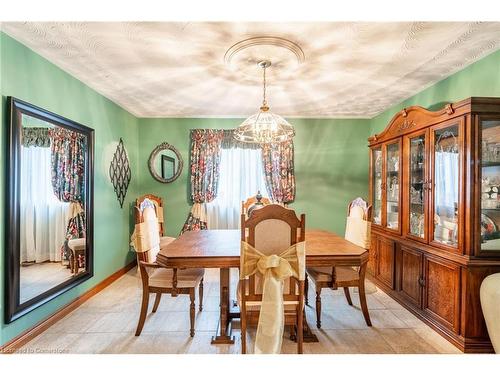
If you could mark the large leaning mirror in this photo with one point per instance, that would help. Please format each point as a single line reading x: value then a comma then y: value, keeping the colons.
x: 49, y: 207
x: 165, y: 163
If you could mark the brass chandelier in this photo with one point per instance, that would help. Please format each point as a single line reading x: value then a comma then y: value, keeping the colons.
x: 264, y: 127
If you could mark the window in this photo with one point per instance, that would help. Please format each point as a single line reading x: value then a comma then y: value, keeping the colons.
x: 241, y: 176
x: 43, y: 217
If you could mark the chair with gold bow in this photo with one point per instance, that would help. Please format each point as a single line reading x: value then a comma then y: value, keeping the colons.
x: 358, y: 232
x: 272, y: 274
x: 155, y: 278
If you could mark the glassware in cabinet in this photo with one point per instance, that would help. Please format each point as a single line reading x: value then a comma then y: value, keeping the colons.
x: 490, y: 184
x: 377, y: 185
x: 392, y: 185
x: 417, y: 185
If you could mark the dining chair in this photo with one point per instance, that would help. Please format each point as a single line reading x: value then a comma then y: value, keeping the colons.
x: 245, y: 205
x: 158, y: 205
x: 158, y: 279
x: 272, y: 230
x: 357, y: 232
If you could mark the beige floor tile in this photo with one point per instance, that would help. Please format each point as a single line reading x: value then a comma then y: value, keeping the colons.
x: 346, y: 318
x: 406, y: 341
x: 96, y: 343
x: 332, y: 302
x: 386, y: 319
x: 346, y: 341
x: 151, y: 343
x: 50, y: 343
x: 106, y: 324
x: 438, y: 342
x: 77, y: 321
x: 114, y: 322
x: 408, y: 318
x: 387, y: 301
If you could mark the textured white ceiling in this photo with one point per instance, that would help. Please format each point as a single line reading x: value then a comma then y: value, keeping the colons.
x: 165, y: 69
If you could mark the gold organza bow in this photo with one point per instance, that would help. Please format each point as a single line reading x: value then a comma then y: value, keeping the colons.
x: 274, y: 270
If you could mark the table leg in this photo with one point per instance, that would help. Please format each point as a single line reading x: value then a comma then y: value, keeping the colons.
x: 223, y: 335
x: 308, y: 335
x: 362, y: 294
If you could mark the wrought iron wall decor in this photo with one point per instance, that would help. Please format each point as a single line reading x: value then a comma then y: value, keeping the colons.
x: 120, y: 173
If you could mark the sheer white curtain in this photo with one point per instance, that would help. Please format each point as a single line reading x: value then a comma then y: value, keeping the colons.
x: 241, y: 176
x: 446, y: 183
x: 43, y: 217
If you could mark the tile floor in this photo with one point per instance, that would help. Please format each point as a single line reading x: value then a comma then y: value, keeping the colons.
x: 106, y: 324
x: 38, y: 278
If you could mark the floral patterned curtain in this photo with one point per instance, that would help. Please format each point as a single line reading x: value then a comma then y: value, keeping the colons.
x: 36, y: 137
x: 68, y: 164
x: 68, y: 178
x: 279, y: 171
x: 204, y: 169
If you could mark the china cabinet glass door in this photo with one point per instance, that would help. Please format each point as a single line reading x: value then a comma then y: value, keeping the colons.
x: 377, y: 185
x: 392, y: 184
x: 490, y: 184
x: 418, y: 186
x: 446, y: 184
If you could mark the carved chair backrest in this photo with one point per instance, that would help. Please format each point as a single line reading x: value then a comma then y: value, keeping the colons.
x: 252, y: 200
x: 361, y: 203
x: 271, y: 230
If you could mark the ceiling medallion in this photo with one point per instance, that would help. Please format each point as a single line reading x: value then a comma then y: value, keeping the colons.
x: 287, y: 57
x: 260, y: 41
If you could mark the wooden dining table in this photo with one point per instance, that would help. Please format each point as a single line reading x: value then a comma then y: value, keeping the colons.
x: 221, y: 249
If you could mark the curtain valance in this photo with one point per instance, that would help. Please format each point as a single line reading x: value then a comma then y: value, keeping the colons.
x: 36, y: 137
x: 228, y: 141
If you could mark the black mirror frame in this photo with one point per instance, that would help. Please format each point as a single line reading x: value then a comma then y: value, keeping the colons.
x: 154, y: 153
x: 13, y: 308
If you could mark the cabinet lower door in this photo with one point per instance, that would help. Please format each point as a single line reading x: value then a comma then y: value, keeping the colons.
x: 385, y: 262
x: 442, y: 291
x: 411, y: 279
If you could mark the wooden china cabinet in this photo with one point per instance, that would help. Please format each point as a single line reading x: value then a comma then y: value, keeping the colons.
x: 435, y: 191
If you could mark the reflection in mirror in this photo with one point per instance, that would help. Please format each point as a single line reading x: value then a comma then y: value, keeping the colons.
x: 52, y: 206
x: 446, y: 185
x: 165, y: 163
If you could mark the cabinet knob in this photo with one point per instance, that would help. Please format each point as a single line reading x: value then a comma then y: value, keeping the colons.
x: 421, y: 281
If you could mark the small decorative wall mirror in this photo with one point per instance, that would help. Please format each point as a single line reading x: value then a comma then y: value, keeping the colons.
x: 165, y: 163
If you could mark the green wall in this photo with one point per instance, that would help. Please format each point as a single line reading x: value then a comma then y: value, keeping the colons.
x: 331, y: 166
x: 29, y: 77
x: 479, y: 79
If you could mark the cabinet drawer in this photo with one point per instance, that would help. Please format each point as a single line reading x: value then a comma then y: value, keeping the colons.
x: 411, y: 279
x: 442, y: 291
x: 385, y: 262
